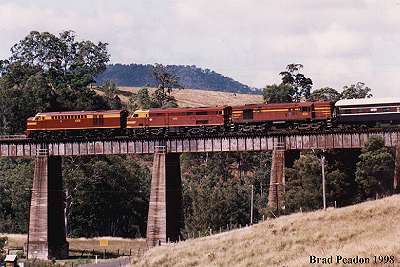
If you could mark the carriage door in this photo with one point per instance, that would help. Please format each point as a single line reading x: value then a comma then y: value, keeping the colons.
x: 307, y: 113
x: 247, y: 114
x: 98, y: 120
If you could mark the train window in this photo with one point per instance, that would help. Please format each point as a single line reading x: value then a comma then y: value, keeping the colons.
x: 202, y: 113
x: 374, y: 109
x: 305, y: 109
x: 248, y: 114
x: 189, y: 113
x: 135, y: 115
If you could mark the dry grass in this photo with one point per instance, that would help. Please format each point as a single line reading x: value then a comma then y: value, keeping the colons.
x: 197, y: 98
x: 367, y: 229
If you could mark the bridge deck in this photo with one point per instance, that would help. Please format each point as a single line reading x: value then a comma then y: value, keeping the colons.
x: 27, y: 148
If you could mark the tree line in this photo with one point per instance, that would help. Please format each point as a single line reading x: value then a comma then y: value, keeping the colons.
x: 139, y: 75
x: 108, y: 195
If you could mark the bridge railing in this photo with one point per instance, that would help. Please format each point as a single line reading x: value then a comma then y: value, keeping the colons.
x: 160, y: 149
x: 12, y: 137
x: 42, y: 152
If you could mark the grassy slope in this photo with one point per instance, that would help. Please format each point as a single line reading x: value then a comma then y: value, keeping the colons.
x: 366, y: 229
x: 196, y: 98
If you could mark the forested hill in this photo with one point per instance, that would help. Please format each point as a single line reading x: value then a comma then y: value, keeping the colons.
x: 189, y: 77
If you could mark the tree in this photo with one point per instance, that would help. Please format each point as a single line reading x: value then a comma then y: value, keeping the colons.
x: 64, y: 60
x: 358, y: 90
x: 300, y: 84
x: 3, y: 241
x: 277, y: 93
x: 143, y: 99
x: 375, y: 169
x: 303, y: 186
x: 160, y: 99
x: 217, y: 188
x: 110, y: 94
x: 304, y: 183
x: 139, y: 100
x: 49, y: 73
x: 325, y: 94
x: 166, y: 80
x: 106, y: 196
x: 15, y: 178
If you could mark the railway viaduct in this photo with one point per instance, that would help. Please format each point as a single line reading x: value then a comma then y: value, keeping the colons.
x: 47, y: 237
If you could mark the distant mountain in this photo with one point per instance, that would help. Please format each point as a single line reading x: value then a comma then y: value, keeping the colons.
x: 189, y: 76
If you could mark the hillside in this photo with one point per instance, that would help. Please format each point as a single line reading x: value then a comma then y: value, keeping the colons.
x: 362, y: 230
x: 198, y: 98
x: 189, y: 77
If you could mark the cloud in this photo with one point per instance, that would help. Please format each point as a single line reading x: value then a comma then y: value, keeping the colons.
x: 338, y: 41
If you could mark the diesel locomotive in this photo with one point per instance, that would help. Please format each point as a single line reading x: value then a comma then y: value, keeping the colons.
x: 261, y: 118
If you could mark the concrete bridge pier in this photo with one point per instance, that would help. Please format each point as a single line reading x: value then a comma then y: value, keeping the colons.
x: 165, y: 217
x: 277, y: 179
x: 396, y: 178
x: 47, y: 237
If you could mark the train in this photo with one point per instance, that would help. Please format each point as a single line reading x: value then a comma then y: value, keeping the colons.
x: 249, y: 118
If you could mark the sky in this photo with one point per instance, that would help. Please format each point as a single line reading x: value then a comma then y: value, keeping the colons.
x: 339, y: 42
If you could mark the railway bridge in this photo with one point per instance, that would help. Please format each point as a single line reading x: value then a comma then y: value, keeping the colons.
x: 47, y: 237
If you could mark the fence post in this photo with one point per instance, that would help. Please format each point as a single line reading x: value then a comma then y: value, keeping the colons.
x: 210, y: 231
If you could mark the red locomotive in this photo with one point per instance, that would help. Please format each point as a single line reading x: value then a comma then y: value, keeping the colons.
x: 76, y: 123
x: 299, y: 115
x: 180, y: 120
x: 208, y: 120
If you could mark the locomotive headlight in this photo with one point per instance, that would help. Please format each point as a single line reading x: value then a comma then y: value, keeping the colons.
x: 150, y: 119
